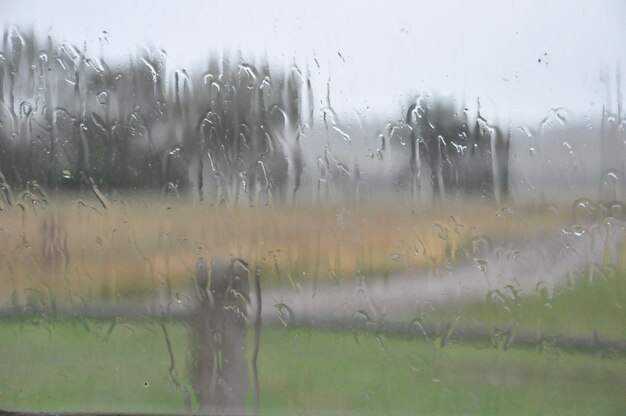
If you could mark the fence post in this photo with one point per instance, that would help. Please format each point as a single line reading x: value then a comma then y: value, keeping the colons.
x: 220, y: 373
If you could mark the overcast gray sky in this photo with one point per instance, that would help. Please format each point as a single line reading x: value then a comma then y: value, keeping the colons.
x: 376, y: 53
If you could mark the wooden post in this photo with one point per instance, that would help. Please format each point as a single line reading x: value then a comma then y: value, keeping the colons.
x: 220, y: 370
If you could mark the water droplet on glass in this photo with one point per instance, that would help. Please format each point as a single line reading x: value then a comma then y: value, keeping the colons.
x: 180, y: 297
x: 482, y: 265
x: 26, y: 108
x: 103, y: 97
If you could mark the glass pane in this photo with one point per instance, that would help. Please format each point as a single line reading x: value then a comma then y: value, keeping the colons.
x: 321, y: 208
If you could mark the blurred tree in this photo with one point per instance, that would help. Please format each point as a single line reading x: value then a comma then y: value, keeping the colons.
x: 448, y: 157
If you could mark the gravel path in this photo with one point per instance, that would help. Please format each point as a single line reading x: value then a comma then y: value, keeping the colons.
x: 522, y: 265
x: 547, y: 261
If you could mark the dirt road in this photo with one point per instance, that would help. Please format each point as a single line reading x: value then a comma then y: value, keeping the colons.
x: 529, y: 265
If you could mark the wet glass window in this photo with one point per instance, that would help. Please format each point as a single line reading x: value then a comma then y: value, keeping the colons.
x: 247, y: 208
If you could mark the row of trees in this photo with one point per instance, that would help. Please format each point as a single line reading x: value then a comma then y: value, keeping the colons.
x: 68, y: 119
x: 447, y: 154
x: 71, y: 120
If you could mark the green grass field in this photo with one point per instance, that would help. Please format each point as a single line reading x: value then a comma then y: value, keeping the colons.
x: 84, y: 366
x: 583, y: 307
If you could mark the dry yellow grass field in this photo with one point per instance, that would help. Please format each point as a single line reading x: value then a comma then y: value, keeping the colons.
x: 76, y: 249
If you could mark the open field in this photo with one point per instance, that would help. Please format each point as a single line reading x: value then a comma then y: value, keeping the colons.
x: 64, y: 366
x: 123, y: 365
x: 77, y: 249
